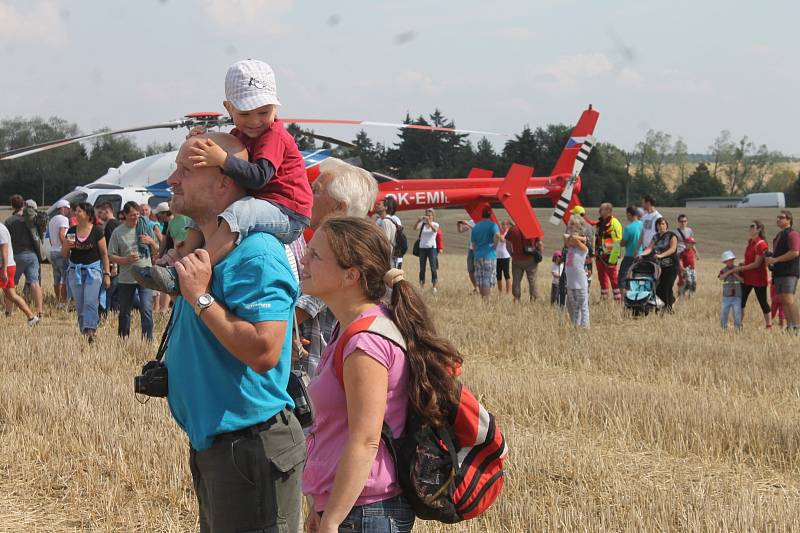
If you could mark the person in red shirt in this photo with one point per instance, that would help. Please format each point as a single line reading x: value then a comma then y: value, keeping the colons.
x: 274, y: 174
x: 526, y: 254
x: 754, y: 270
x: 687, y: 281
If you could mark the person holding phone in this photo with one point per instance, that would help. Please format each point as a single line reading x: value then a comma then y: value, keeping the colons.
x: 428, y: 253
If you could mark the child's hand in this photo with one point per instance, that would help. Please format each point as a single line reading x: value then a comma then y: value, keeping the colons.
x: 196, y: 130
x: 208, y: 154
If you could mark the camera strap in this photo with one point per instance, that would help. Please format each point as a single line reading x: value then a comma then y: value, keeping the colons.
x: 162, y: 346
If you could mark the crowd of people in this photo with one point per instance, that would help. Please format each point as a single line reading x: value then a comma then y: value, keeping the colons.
x: 251, y: 300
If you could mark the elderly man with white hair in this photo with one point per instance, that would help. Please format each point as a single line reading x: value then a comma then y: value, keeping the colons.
x: 340, y: 190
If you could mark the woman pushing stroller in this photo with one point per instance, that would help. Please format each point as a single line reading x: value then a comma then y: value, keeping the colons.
x: 664, y: 247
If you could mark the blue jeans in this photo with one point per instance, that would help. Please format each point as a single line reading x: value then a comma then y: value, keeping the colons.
x: 251, y: 215
x: 125, y: 296
x: 84, y: 283
x: 430, y: 255
x: 388, y: 516
x: 731, y: 303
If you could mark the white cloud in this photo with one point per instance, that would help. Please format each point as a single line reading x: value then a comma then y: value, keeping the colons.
x: 41, y: 23
x: 263, y: 16
x: 686, y: 87
x: 763, y: 49
x: 420, y: 82
x: 569, y: 71
x: 630, y: 77
x: 518, y: 33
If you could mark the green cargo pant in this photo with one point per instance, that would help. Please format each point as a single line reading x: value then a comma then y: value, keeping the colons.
x: 250, y: 480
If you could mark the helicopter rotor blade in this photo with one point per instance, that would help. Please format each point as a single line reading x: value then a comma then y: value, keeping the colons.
x: 387, y: 125
x: 332, y: 140
x: 49, y: 145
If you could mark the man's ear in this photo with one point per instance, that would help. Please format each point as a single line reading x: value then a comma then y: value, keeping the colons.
x: 227, y: 105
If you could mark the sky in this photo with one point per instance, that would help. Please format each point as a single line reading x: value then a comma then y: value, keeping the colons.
x: 689, y: 68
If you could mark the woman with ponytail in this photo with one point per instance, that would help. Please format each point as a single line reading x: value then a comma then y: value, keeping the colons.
x: 349, y: 474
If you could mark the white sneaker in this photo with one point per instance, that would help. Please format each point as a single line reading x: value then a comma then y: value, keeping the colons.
x: 33, y: 321
x: 434, y: 290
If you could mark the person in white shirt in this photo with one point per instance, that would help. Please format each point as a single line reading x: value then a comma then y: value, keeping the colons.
x: 390, y: 203
x: 428, y: 253
x: 56, y: 232
x: 7, y: 269
x: 386, y: 224
x: 503, y: 260
x: 648, y: 221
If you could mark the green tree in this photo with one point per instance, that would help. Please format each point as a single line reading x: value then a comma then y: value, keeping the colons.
x: 110, y: 152
x: 793, y: 193
x: 486, y: 157
x: 44, y: 176
x: 700, y: 183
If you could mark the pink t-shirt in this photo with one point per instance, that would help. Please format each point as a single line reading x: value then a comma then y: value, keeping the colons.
x: 329, y: 433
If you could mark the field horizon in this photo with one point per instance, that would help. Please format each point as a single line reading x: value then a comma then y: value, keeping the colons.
x: 661, y: 423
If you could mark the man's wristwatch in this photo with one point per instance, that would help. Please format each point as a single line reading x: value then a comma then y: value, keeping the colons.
x: 204, y: 301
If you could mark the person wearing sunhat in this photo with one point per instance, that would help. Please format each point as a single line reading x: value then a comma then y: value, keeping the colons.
x: 731, y: 291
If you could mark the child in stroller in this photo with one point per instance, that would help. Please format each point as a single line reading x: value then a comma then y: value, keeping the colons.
x: 640, y: 286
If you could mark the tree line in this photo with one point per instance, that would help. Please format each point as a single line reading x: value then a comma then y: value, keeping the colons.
x: 611, y: 174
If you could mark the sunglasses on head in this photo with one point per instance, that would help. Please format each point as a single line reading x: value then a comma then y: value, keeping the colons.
x: 753, y: 226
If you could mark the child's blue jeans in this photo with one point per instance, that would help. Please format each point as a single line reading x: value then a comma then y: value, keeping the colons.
x: 252, y: 215
x: 731, y: 303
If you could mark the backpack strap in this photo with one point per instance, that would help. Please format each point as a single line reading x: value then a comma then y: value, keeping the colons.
x: 378, y: 325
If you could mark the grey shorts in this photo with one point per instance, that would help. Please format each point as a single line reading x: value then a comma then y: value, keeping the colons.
x: 27, y: 265
x: 783, y: 284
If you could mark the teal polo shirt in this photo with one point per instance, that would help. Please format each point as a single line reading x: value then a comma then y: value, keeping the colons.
x: 210, y: 390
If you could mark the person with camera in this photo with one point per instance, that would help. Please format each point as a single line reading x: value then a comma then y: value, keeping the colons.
x: 428, y: 252
x: 785, y: 265
x: 228, y: 360
x: 526, y: 254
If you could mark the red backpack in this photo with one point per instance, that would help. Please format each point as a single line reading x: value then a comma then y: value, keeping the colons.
x: 451, y: 473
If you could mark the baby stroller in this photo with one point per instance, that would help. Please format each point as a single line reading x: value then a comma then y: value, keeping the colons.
x: 640, y: 286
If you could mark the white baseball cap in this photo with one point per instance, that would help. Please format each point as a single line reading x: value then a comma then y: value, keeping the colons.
x: 250, y: 84
x: 727, y: 255
x: 31, y: 203
x: 60, y: 204
x: 163, y: 207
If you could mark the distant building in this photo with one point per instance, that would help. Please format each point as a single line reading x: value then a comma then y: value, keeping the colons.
x: 714, y: 201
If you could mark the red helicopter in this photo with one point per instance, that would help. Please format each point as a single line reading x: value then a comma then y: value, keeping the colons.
x: 512, y: 191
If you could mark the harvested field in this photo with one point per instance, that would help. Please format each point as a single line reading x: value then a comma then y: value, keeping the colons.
x: 663, y: 423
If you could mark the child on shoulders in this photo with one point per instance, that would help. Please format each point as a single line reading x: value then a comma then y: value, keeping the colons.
x: 275, y: 175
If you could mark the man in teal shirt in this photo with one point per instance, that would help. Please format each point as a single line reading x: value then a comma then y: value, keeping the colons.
x: 630, y: 241
x: 485, y: 236
x: 229, y: 359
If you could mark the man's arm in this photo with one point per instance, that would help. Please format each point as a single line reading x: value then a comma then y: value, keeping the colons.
x: 256, y: 344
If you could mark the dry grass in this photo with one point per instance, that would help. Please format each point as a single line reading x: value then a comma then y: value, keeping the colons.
x: 655, y: 424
